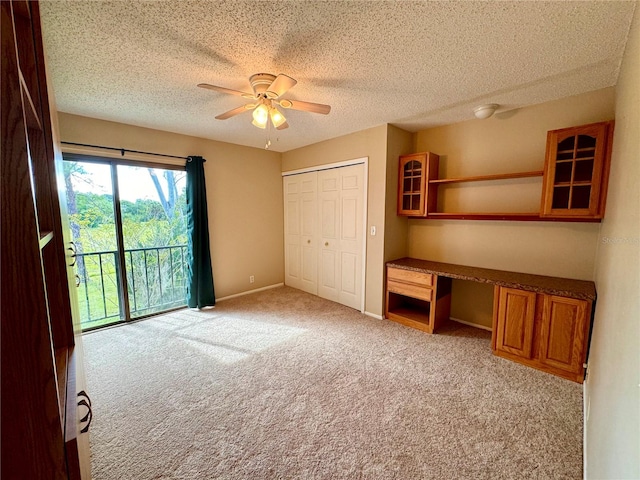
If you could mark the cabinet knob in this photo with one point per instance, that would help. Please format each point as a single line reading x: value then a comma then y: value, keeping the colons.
x: 308, y: 241
x: 326, y: 244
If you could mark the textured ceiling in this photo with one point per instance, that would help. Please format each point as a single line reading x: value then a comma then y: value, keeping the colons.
x: 414, y: 64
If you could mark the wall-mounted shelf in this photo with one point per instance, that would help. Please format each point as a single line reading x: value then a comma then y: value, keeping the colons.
x: 574, y: 180
x: 481, y: 178
x: 519, y: 217
x: 45, y: 237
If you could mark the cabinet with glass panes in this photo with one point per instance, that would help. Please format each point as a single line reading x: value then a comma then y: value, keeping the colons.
x: 415, y: 198
x: 576, y: 171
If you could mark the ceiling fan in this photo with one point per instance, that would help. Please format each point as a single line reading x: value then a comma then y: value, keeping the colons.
x: 267, y: 92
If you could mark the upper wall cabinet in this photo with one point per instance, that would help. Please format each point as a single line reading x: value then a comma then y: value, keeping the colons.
x: 415, y: 198
x: 576, y: 171
x: 574, y: 180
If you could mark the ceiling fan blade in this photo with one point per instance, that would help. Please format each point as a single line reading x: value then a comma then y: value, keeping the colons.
x: 306, y: 106
x: 280, y: 85
x: 283, y: 126
x: 215, y: 88
x: 235, y: 111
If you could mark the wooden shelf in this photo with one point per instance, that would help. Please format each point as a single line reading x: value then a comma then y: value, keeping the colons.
x: 32, y: 117
x: 480, y: 178
x: 62, y: 360
x: 522, y: 217
x: 45, y: 237
x: 487, y: 216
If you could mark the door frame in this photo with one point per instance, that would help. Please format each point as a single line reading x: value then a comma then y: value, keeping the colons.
x: 365, y: 211
x: 113, y: 163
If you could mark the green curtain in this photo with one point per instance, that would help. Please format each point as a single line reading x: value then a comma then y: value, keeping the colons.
x: 200, y: 292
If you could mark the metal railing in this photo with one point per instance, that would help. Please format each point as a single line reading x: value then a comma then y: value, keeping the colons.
x: 156, y: 281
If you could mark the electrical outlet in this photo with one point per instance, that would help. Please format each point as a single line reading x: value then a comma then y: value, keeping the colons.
x: 252, y: 279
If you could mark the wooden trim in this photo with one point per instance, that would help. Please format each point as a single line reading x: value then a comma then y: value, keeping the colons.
x: 535, y: 363
x: 481, y: 178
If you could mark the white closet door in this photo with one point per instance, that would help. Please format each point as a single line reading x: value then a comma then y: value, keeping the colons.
x: 301, y: 255
x: 340, y: 202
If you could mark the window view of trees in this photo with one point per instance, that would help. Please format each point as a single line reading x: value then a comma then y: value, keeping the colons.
x: 153, y: 209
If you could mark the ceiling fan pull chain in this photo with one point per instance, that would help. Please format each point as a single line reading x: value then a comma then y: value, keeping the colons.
x: 268, y: 143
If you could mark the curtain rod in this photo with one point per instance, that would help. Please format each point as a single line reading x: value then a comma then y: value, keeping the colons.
x: 124, y: 150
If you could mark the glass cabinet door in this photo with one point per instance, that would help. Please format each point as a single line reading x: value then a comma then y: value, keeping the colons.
x: 575, y: 171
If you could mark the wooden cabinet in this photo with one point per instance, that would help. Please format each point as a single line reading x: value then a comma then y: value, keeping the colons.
x: 547, y: 332
x: 576, y: 171
x: 415, y: 199
x: 39, y: 359
x: 514, y: 321
x: 417, y: 299
x: 574, y: 180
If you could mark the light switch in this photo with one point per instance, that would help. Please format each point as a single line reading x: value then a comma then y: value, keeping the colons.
x: 373, y: 230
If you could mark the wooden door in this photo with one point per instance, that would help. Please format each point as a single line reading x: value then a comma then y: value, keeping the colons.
x: 515, y: 321
x: 340, y: 201
x: 563, y: 332
x: 32, y: 436
x: 300, y: 224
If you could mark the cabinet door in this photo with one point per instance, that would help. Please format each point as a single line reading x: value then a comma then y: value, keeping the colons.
x: 576, y: 171
x: 412, y: 181
x: 514, y: 321
x: 563, y: 332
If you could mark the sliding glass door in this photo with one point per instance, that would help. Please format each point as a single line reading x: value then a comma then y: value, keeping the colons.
x: 128, y: 224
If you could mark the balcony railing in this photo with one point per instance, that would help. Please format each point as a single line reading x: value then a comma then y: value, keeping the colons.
x: 156, y: 281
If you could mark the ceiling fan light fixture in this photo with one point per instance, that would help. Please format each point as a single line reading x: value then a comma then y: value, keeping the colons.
x: 485, y: 111
x: 276, y: 117
x: 261, y: 116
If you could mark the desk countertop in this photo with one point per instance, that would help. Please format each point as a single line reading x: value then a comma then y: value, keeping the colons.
x: 564, y: 287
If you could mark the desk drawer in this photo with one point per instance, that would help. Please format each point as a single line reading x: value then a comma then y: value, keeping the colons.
x: 410, y: 290
x: 410, y: 276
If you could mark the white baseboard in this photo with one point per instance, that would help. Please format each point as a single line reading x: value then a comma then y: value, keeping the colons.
x: 464, y: 322
x: 369, y: 314
x: 248, y: 292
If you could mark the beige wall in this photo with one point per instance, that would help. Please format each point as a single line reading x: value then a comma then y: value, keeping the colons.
x: 514, y: 141
x: 396, y: 230
x: 371, y: 143
x: 612, y: 389
x: 245, y: 223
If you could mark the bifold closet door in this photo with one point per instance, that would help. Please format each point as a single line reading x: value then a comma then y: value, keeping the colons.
x: 301, y: 236
x: 340, y: 208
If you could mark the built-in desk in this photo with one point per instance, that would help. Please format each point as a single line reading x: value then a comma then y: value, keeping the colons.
x: 538, y: 320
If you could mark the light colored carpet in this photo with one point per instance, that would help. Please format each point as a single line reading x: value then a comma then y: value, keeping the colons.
x: 282, y: 384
